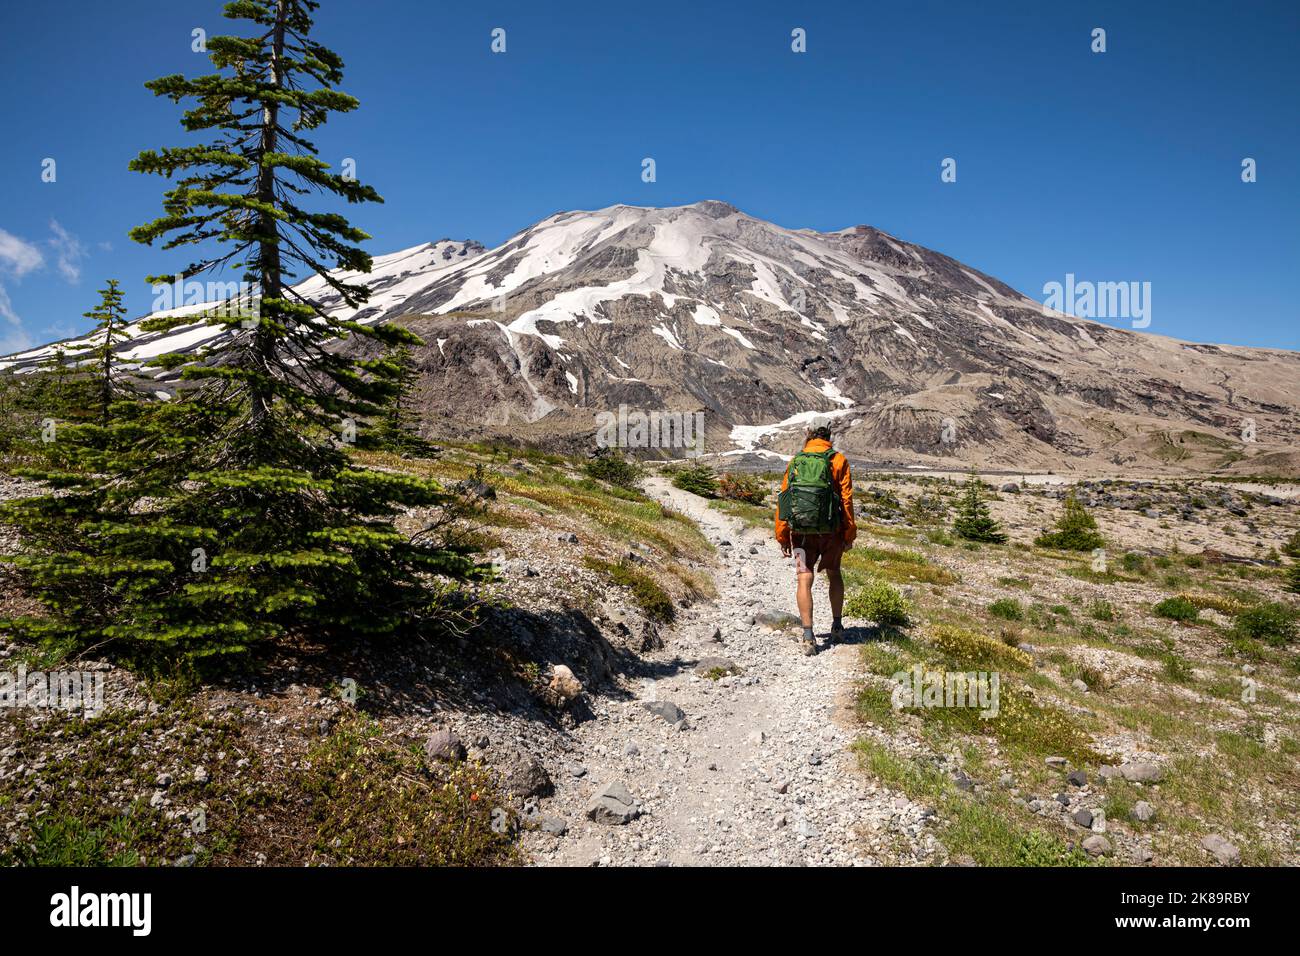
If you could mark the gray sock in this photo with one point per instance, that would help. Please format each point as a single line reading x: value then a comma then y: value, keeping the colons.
x: 807, y: 634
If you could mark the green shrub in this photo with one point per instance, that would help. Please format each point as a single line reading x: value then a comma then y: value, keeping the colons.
x: 1273, y: 623
x: 1292, y: 547
x: 1102, y: 611
x: 1134, y: 563
x: 1076, y: 530
x: 1293, y: 578
x: 1008, y: 609
x: 1177, y: 609
x: 1176, y: 668
x: 698, y: 479
x: 614, y: 468
x: 878, y: 601
x: 652, y: 599
x: 740, y: 487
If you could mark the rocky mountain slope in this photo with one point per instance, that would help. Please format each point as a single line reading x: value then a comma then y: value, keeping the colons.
x: 703, y: 308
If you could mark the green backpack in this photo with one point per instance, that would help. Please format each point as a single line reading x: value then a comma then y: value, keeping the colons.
x: 810, y: 502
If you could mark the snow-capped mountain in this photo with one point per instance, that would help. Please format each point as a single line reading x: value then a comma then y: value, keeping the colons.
x: 703, y: 308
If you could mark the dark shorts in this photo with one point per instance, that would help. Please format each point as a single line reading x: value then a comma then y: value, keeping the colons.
x: 821, y: 552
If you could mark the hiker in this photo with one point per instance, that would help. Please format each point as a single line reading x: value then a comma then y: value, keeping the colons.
x: 814, y: 522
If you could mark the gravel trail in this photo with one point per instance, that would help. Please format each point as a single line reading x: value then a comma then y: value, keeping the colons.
x: 761, y: 772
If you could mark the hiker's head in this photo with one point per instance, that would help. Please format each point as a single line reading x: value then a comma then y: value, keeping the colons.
x: 820, y: 428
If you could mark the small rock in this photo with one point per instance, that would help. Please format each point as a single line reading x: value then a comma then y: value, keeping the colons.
x: 528, y: 778
x: 564, y: 686
x: 555, y: 826
x: 613, y: 805
x: 1056, y: 761
x: 1083, y: 818
x: 443, y: 744
x: 1077, y: 778
x: 1143, y: 811
x: 1222, y: 850
x: 665, y: 709
x: 1098, y: 846
x: 1142, y: 772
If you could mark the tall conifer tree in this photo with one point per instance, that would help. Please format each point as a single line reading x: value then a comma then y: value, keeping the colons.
x: 110, y: 321
x: 231, y: 512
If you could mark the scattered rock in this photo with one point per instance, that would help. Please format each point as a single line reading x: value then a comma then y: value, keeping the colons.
x: 1143, y: 811
x: 1142, y: 772
x: 613, y: 805
x: 665, y: 709
x: 443, y: 744
x: 1222, y: 850
x: 564, y: 686
x: 528, y: 778
x: 1083, y: 818
x: 1097, y: 846
x: 1077, y: 778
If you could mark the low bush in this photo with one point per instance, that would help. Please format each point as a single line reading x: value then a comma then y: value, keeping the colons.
x: 741, y: 487
x: 880, y: 602
x: 1008, y: 609
x: 1177, y: 609
x: 614, y: 468
x: 698, y: 479
x: 1273, y: 623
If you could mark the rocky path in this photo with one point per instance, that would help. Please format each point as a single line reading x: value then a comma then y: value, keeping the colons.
x: 759, y: 769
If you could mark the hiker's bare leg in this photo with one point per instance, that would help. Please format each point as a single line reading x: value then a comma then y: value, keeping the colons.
x: 803, y: 593
x: 836, y: 584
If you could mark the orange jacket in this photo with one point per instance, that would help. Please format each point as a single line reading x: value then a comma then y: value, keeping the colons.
x: 841, y: 476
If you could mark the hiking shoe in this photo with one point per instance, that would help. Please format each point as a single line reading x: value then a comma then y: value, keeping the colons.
x: 837, y: 632
x: 808, y: 648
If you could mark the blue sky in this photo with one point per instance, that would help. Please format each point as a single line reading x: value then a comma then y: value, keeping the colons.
x: 1121, y: 166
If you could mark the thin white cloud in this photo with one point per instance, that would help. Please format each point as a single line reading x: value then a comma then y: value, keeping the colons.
x: 68, y: 252
x: 17, y: 256
x: 14, y: 338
